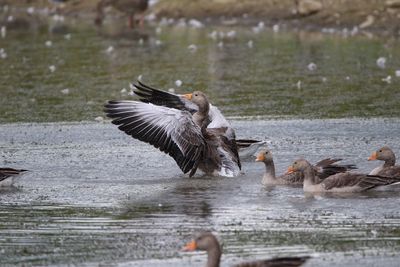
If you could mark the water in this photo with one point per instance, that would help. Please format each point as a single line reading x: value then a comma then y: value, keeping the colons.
x: 94, y: 196
x: 272, y: 78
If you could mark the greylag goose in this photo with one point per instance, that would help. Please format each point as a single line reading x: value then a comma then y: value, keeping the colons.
x: 214, y: 120
x: 7, y: 176
x: 388, y: 168
x: 130, y: 7
x: 208, y: 242
x: 344, y: 182
x: 322, y: 170
x: 179, y: 133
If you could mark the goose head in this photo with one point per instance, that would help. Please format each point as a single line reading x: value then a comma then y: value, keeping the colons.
x: 298, y: 165
x: 384, y: 153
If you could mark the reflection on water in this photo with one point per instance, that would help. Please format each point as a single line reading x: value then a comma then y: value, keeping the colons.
x: 94, y: 196
x: 270, y: 78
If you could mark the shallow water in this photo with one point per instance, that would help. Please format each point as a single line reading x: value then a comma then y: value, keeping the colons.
x: 271, y: 78
x: 94, y: 195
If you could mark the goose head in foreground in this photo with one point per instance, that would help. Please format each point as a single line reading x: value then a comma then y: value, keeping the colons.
x: 206, y: 241
x: 344, y: 182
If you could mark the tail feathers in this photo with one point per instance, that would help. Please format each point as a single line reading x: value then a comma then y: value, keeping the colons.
x: 371, y: 181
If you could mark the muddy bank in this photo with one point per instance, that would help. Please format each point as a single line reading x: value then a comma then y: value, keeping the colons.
x: 370, y: 15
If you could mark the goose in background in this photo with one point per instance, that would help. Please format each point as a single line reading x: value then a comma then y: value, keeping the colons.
x: 389, y: 167
x: 322, y: 170
x: 130, y: 7
x: 344, y: 182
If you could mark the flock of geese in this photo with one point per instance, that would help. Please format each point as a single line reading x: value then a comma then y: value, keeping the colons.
x: 198, y: 137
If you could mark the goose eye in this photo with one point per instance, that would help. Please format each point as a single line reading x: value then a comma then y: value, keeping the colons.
x: 266, y: 152
x: 195, y: 94
x: 295, y: 163
x: 380, y: 150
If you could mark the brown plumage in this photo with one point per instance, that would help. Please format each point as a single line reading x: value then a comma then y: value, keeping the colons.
x: 179, y: 133
x: 322, y: 170
x: 389, y: 167
x: 208, y: 242
x: 130, y: 7
x: 342, y: 182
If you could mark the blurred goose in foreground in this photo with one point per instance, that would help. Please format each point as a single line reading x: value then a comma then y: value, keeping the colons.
x: 345, y: 182
x: 7, y: 176
x: 213, y: 120
x: 179, y: 133
x: 322, y: 170
x: 388, y: 168
x: 130, y: 7
x: 208, y: 242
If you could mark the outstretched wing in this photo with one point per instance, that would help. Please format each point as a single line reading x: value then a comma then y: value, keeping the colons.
x: 171, y: 130
x: 157, y: 97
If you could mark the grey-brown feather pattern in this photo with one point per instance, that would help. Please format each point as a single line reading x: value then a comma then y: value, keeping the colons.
x: 172, y: 131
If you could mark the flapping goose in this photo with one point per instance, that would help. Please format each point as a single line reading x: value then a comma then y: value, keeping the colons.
x: 322, y: 170
x: 214, y: 120
x: 7, y: 176
x: 130, y: 7
x: 388, y: 168
x: 342, y: 182
x: 180, y: 134
x: 208, y: 242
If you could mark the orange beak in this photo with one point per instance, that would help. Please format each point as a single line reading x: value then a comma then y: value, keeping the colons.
x: 191, y: 246
x: 373, y: 156
x: 187, y: 96
x: 290, y: 170
x: 260, y: 157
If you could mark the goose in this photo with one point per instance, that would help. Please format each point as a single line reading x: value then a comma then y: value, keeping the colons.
x: 131, y: 7
x: 322, y: 170
x: 7, y: 176
x: 206, y: 241
x: 179, y: 133
x: 344, y: 182
x: 388, y: 168
x: 215, y: 119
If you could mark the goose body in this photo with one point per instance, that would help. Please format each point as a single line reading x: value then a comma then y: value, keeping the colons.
x: 341, y: 182
x: 7, y: 176
x: 182, y: 134
x: 322, y: 170
x: 208, y: 242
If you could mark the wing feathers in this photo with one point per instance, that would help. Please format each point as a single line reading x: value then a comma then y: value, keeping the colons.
x: 170, y: 130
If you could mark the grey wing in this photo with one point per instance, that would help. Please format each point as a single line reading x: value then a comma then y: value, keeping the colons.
x: 343, y: 179
x: 390, y: 171
x: 327, y: 167
x: 158, y: 97
x: 171, y: 130
x: 217, y: 120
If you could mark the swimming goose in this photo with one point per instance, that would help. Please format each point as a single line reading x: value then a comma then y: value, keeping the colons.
x: 388, y: 168
x: 208, y: 242
x: 7, y: 176
x: 215, y: 119
x: 344, y: 182
x: 180, y: 134
x: 131, y: 7
x: 322, y: 170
